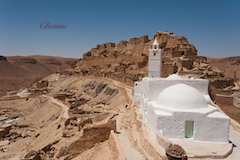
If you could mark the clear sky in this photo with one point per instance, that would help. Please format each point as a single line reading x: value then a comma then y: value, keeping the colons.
x: 212, y: 26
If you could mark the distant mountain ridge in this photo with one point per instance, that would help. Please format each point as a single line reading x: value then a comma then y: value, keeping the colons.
x: 18, y: 71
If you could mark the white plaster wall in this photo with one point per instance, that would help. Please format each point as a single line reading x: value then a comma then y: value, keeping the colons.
x: 137, y: 87
x: 211, y: 128
x: 137, y: 90
x: 218, y: 125
x: 154, y: 65
x: 154, y: 74
x: 137, y: 96
x: 157, y: 119
x: 142, y: 103
x: 157, y: 56
x: 152, y: 120
x: 145, y: 87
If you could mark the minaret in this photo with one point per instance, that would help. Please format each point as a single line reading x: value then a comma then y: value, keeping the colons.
x: 154, y: 60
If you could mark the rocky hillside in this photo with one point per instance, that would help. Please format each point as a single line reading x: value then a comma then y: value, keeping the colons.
x: 230, y: 65
x: 128, y: 60
x: 18, y: 72
x: 73, y: 117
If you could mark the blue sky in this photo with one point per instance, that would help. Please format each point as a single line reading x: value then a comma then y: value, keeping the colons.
x: 212, y: 26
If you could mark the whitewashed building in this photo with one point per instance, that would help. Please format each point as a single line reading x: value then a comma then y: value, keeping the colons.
x: 179, y: 107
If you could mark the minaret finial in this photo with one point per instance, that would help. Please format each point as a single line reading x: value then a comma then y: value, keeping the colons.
x: 155, y: 44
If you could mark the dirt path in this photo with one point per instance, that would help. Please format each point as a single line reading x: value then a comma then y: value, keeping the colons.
x: 64, y: 107
x: 128, y: 146
x: 129, y: 150
x: 23, y: 93
x: 128, y: 90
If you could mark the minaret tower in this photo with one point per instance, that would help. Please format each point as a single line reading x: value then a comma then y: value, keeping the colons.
x: 154, y: 60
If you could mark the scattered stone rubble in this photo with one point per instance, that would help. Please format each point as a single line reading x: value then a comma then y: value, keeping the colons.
x: 176, y: 151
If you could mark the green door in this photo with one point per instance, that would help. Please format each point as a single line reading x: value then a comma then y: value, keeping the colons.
x: 189, y: 127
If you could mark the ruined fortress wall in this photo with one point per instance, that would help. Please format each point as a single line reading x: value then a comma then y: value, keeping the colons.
x: 176, y: 54
x: 222, y: 83
x: 167, y: 70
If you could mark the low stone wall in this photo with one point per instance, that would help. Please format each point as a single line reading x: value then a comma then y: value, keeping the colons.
x: 9, y: 98
x: 167, y: 69
x: 236, y: 99
x: 42, y: 84
x: 222, y: 82
x: 193, y: 73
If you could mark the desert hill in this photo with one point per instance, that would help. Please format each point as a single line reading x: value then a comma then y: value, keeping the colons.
x: 128, y: 60
x: 228, y: 65
x: 18, y: 72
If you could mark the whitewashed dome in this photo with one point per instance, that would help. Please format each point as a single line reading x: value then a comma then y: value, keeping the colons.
x: 181, y: 96
x: 174, y: 76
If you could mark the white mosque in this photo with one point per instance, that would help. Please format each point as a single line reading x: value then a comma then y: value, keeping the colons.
x: 179, y: 107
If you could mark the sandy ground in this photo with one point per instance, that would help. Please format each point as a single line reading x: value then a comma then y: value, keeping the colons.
x: 63, y: 106
x: 104, y: 100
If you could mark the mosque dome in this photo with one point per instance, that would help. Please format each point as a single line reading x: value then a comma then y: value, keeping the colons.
x: 181, y: 96
x: 174, y: 76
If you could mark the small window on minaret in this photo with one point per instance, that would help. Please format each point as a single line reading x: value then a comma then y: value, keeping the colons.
x: 154, y: 54
x: 155, y: 47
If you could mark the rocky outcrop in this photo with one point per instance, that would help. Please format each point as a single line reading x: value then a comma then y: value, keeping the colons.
x: 42, y: 84
x: 27, y: 60
x: 3, y: 58
x: 236, y: 99
x: 4, y: 129
x: 53, y: 61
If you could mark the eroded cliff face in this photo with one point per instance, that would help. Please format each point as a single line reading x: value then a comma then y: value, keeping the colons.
x: 128, y: 61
